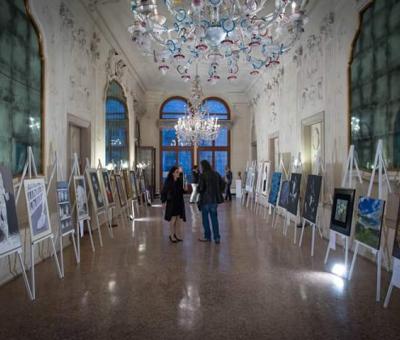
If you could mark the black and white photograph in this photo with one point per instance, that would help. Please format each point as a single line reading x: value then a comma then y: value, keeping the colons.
x: 265, y: 178
x: 9, y: 232
x: 294, y: 193
x: 107, y: 188
x: 342, y: 210
x: 64, y: 207
x: 38, y: 212
x: 95, y: 189
x: 81, y: 198
x: 120, y: 190
x: 311, y: 198
x: 127, y: 183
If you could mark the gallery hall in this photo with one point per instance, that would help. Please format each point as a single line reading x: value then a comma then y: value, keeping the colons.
x: 199, y: 169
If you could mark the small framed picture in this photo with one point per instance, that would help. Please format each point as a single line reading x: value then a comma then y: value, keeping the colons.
x: 342, y: 210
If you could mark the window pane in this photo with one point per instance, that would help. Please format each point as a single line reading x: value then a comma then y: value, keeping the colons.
x: 222, y: 139
x: 168, y: 137
x: 221, y: 161
x: 216, y: 107
x: 207, y: 155
x: 185, y: 161
x: 115, y: 109
x: 205, y: 143
x: 168, y: 161
x: 174, y: 106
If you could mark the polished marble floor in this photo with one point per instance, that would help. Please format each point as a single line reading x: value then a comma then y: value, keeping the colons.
x: 255, y: 285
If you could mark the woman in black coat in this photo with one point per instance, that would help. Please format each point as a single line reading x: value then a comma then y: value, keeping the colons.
x: 172, y: 195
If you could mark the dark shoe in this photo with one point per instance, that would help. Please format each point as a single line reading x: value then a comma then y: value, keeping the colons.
x: 204, y: 240
x: 172, y: 240
x: 177, y: 239
x: 217, y: 241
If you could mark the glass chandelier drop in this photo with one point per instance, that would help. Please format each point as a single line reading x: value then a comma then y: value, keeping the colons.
x: 221, y: 33
x: 197, y: 125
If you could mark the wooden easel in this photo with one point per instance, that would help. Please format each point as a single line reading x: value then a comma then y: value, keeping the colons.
x: 381, y: 165
x: 394, y: 282
x: 30, y: 171
x: 347, y: 182
x: 56, y: 170
x: 80, y: 223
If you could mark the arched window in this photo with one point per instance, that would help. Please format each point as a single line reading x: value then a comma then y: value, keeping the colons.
x: 216, y: 152
x: 117, y: 125
x: 21, y: 86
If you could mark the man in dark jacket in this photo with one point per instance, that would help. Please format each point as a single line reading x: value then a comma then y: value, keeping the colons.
x: 211, y: 186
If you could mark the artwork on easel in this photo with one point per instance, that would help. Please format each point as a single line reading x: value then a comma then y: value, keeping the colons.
x: 107, y: 189
x: 265, y: 178
x: 9, y: 232
x: 342, y: 210
x: 396, y: 245
x: 392, y: 215
x: 95, y: 189
x: 127, y: 184
x: 81, y: 198
x: 369, y: 221
x: 294, y: 193
x: 260, y: 168
x: 135, y: 193
x: 38, y: 211
x: 120, y: 190
x: 284, y: 195
x: 64, y: 207
x: 311, y: 198
x: 275, y: 185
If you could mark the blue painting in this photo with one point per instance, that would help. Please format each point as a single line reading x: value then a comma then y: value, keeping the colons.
x: 284, y: 194
x: 275, y: 184
x: 369, y: 221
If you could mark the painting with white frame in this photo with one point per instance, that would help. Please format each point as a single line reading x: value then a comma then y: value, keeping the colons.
x: 9, y: 232
x: 38, y: 210
x: 265, y: 178
x: 82, y: 207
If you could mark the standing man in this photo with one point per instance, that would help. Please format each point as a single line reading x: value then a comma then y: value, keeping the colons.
x: 194, y: 197
x: 228, y: 180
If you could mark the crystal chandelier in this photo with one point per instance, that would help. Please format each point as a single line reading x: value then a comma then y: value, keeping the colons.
x: 197, y: 125
x: 220, y: 33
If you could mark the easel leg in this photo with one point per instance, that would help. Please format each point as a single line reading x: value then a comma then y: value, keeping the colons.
x: 98, y: 230
x: 33, y: 284
x: 327, y: 254
x: 378, y: 275
x: 62, y: 255
x: 388, y: 295
x: 90, y: 235
x: 302, y: 233
x: 28, y: 288
x: 295, y: 232
x: 78, y: 240
x: 75, y: 249
x: 109, y: 219
x: 353, y: 262
x: 313, y: 240
x: 346, y: 255
x: 60, y: 275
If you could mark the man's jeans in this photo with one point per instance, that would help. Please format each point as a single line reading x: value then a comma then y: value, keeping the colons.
x: 210, y: 209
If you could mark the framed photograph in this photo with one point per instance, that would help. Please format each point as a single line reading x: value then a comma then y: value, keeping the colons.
x: 396, y: 245
x: 342, y: 210
x: 127, y: 184
x: 134, y: 185
x: 64, y: 207
x: 369, y: 221
x: 275, y: 186
x: 284, y: 195
x: 95, y: 189
x: 81, y: 198
x: 392, y: 216
x: 38, y: 211
x: 265, y: 178
x: 311, y: 199
x: 9, y: 232
x: 260, y: 168
x: 120, y: 190
x: 106, y: 187
x: 294, y: 193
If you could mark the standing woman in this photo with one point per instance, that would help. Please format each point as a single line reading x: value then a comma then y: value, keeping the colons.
x: 172, y: 195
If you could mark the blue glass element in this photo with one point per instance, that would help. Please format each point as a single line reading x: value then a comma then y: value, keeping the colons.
x: 174, y: 106
x: 168, y: 161
x: 221, y: 161
x: 222, y: 138
x: 275, y: 184
x: 216, y: 107
x: 185, y: 161
x: 168, y: 137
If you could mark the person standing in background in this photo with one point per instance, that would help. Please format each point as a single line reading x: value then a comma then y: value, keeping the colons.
x: 228, y: 180
x: 194, y: 197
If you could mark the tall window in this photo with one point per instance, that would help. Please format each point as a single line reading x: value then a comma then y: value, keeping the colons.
x: 216, y: 152
x: 117, y: 125
x: 374, y: 84
x: 20, y: 87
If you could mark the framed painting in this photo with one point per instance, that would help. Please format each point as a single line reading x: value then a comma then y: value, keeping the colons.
x: 64, y: 207
x: 342, y: 210
x: 10, y: 238
x: 275, y: 186
x: 396, y: 245
x: 311, y: 199
x: 392, y: 216
x: 127, y: 183
x: 265, y: 178
x: 260, y: 168
x: 38, y: 211
x: 135, y: 194
x: 106, y: 187
x: 81, y: 198
x: 284, y: 195
x: 294, y: 193
x: 120, y: 190
x: 95, y: 189
x: 369, y: 221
